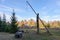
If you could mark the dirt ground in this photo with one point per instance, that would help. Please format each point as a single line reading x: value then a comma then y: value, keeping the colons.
x: 31, y: 35
x: 7, y: 36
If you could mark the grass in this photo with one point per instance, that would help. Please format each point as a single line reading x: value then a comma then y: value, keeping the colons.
x: 43, y: 35
x: 30, y: 34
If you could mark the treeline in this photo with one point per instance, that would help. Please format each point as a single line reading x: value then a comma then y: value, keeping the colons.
x: 32, y: 24
x: 11, y: 26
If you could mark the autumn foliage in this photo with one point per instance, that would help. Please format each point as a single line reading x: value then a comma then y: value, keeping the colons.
x: 32, y: 23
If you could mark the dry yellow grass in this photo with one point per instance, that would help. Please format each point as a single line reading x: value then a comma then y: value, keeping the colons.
x: 31, y: 35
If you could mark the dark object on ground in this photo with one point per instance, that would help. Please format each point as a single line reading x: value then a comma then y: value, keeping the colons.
x: 21, y: 31
x: 19, y: 34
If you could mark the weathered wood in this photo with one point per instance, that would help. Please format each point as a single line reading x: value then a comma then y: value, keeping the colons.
x: 37, y: 23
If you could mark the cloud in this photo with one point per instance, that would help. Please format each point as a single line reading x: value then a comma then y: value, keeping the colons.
x: 4, y: 6
x: 1, y: 14
x: 46, y: 18
x: 56, y: 17
x: 19, y: 18
x: 10, y: 9
x: 7, y: 10
x: 23, y: 18
x: 51, y: 18
x: 7, y: 16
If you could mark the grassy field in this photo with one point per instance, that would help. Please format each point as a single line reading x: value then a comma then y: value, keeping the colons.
x: 31, y: 35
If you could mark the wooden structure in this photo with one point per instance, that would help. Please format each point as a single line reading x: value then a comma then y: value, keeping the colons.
x: 37, y: 20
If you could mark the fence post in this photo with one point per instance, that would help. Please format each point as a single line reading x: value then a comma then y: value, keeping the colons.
x: 37, y: 23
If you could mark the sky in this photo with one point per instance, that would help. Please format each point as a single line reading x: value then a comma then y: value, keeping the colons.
x: 49, y: 10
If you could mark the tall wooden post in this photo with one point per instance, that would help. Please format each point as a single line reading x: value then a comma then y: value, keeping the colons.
x: 38, y: 19
x: 37, y: 23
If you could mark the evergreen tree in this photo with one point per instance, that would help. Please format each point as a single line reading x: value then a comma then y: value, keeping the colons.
x: 13, y: 23
x: 4, y: 23
x: 0, y: 24
x: 8, y: 27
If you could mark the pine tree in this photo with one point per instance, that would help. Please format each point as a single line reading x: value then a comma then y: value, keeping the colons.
x: 8, y: 27
x: 13, y: 23
x: 0, y: 24
x: 4, y: 23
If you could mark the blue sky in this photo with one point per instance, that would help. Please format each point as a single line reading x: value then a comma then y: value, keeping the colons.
x: 48, y: 10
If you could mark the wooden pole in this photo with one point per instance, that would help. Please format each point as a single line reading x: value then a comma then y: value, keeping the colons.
x: 38, y: 19
x: 37, y: 23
